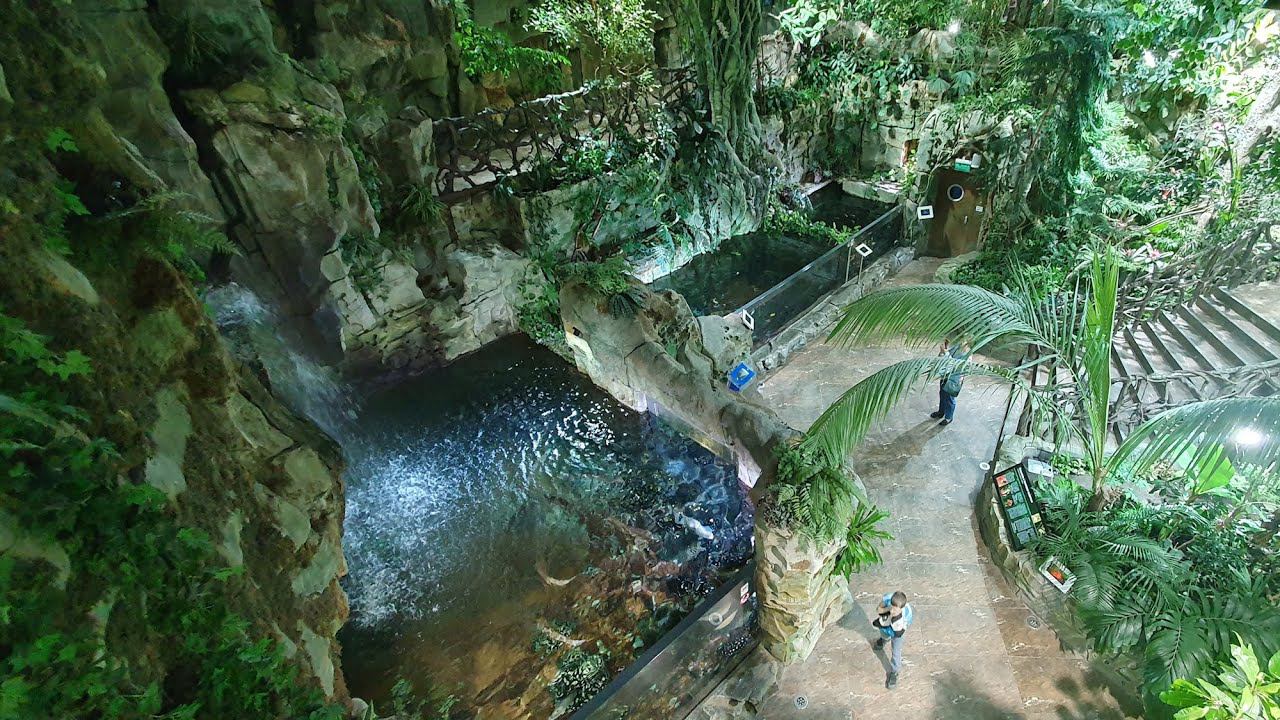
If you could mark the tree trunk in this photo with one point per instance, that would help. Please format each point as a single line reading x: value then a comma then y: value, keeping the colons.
x: 725, y: 38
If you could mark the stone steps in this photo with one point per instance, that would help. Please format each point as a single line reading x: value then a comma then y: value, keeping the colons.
x: 1216, y: 332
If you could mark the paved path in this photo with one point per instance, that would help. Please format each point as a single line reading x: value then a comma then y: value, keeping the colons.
x: 971, y: 653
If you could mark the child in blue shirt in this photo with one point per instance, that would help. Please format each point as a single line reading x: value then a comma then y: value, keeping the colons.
x: 893, y: 617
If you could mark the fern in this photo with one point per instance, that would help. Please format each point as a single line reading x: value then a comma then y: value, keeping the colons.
x: 420, y: 206
x: 862, y: 542
x: 811, y: 496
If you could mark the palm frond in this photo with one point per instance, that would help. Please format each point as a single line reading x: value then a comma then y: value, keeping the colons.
x: 1198, y: 431
x: 1179, y: 647
x: 12, y: 406
x: 843, y: 425
x: 1117, y: 628
x: 1094, y: 373
x: 928, y: 314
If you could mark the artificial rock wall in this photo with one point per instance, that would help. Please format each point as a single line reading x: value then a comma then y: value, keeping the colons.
x: 262, y: 483
x: 666, y: 361
x: 299, y: 129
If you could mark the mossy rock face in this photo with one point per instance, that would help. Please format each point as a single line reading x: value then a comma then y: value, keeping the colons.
x: 217, y: 42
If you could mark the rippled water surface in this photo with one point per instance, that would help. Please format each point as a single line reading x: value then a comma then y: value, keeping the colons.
x: 465, y: 483
x: 500, y: 513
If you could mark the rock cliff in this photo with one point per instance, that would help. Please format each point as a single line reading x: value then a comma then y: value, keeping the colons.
x: 305, y: 132
x: 263, y: 485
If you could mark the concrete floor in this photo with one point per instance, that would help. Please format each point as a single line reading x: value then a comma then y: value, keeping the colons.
x: 972, y: 652
x: 1263, y: 298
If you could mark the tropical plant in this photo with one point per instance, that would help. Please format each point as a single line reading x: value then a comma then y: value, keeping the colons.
x: 487, y: 50
x: 1062, y: 339
x: 929, y: 314
x: 862, y: 541
x: 1245, y: 690
x: 783, y: 221
x: 812, y: 495
x: 1142, y: 587
x: 617, y: 33
x: 419, y: 206
x: 98, y: 626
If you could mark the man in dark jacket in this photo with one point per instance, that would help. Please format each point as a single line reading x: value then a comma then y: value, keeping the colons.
x: 949, y: 386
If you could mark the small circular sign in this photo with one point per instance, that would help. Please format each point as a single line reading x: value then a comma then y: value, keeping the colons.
x: 802, y: 702
x: 955, y: 192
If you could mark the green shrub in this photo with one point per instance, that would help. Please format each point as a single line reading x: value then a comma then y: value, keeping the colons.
x: 420, y: 207
x: 779, y: 99
x: 487, y: 50
x: 810, y: 496
x: 142, y: 628
x: 1173, y: 584
x: 862, y: 542
x: 607, y: 278
x: 795, y: 223
x: 1246, y: 690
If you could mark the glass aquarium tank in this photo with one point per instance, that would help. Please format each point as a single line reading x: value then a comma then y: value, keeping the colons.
x: 748, y: 271
x: 516, y: 537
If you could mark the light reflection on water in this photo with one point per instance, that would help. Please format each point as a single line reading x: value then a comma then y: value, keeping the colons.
x: 462, y: 484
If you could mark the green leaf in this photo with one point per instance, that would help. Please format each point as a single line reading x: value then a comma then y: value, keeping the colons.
x: 60, y: 140
x: 1273, y: 667
x: 13, y: 697
x: 1246, y: 662
x: 75, y: 362
x: 70, y: 201
x: 1182, y: 694
x: 26, y: 412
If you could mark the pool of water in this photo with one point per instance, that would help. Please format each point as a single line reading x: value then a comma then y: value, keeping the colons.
x: 745, y: 266
x: 505, y: 519
x: 835, y: 206
x: 505, y: 502
x: 720, y: 282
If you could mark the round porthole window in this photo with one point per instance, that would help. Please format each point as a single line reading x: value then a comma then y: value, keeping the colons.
x: 955, y: 192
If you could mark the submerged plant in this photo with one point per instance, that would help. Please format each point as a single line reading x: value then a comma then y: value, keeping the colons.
x: 434, y: 704
x: 581, y: 675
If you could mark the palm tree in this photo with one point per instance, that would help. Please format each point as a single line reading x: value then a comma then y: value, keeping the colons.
x: 1074, y: 345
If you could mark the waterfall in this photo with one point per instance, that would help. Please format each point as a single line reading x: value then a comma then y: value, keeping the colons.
x: 257, y: 333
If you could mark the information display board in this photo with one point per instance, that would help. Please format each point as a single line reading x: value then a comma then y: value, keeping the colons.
x: 1018, y: 506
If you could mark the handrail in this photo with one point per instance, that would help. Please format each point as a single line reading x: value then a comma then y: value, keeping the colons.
x: 842, y: 246
x: 746, y: 574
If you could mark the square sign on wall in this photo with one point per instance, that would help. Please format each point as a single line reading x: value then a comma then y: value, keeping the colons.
x: 924, y: 212
x: 740, y: 377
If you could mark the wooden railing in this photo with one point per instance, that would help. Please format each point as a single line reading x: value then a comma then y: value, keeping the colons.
x: 1136, y: 398
x: 1253, y: 256
x: 478, y: 150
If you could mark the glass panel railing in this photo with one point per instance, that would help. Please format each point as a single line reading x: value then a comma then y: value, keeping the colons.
x: 776, y: 308
x: 669, y: 680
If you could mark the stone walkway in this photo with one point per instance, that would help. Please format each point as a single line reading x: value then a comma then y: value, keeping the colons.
x: 974, y: 651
